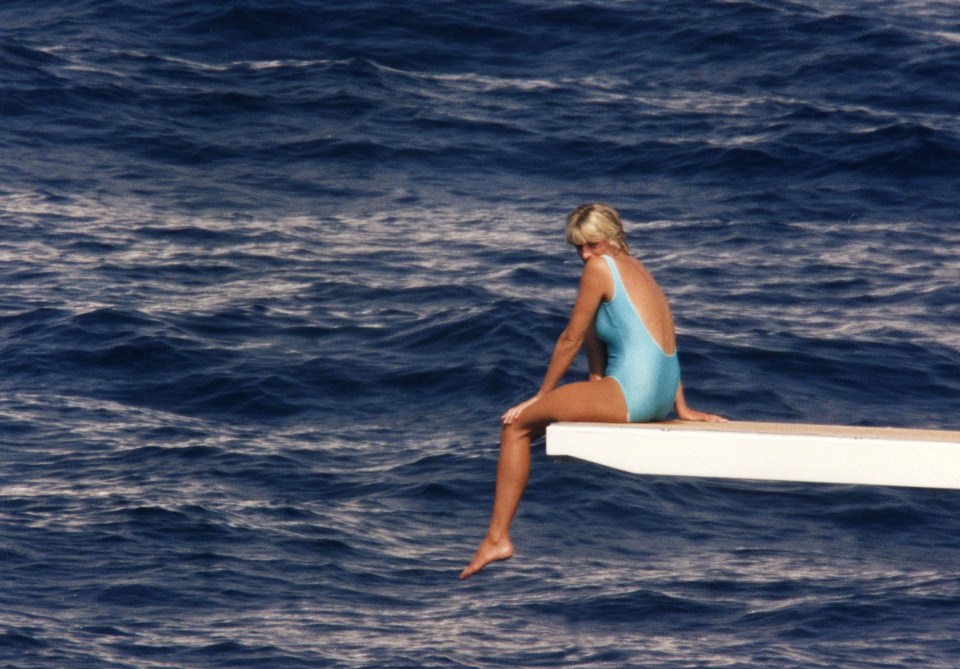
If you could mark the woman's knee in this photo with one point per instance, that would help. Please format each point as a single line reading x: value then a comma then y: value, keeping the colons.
x: 523, y: 427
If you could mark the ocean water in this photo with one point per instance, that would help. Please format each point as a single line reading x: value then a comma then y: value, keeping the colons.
x: 271, y: 269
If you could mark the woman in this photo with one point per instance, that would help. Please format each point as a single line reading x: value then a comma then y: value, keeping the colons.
x: 623, y: 318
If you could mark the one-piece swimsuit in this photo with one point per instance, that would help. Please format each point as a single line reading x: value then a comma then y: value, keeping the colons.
x: 647, y: 376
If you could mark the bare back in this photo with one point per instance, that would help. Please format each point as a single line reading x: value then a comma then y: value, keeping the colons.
x: 648, y: 300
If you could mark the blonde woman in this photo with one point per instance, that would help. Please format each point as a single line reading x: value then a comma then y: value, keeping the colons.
x: 623, y: 318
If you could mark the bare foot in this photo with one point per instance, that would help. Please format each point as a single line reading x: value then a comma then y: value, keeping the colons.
x: 488, y: 552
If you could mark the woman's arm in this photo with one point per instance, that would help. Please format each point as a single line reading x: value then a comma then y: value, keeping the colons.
x: 593, y: 286
x: 596, y: 354
x: 685, y: 412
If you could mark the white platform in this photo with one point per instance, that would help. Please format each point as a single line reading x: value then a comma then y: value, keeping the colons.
x: 767, y: 451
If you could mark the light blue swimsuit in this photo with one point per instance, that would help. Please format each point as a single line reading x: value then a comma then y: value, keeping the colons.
x: 647, y: 376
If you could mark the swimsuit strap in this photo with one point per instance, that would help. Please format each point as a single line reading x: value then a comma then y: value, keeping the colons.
x: 618, y: 286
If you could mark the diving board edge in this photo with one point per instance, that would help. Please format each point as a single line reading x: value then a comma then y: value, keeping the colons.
x: 792, y: 452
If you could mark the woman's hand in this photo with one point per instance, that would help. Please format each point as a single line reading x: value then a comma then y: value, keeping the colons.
x: 692, y: 414
x: 510, y: 414
x: 685, y: 412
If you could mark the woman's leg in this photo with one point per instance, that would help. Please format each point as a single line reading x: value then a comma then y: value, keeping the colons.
x: 590, y: 401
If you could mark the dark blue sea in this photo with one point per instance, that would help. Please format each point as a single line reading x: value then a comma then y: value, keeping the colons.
x: 270, y: 270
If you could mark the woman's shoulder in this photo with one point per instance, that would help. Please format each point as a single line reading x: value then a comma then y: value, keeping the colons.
x: 597, y: 275
x: 597, y: 265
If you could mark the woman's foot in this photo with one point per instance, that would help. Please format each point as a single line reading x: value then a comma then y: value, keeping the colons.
x: 489, y: 551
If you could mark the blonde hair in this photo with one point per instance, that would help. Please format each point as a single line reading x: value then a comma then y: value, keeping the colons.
x: 591, y: 223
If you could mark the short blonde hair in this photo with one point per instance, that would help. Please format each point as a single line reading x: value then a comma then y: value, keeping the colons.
x: 591, y: 223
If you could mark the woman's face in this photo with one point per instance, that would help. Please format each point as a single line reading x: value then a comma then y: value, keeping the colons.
x: 588, y: 250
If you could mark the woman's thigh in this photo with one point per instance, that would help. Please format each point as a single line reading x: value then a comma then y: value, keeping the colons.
x: 582, y: 402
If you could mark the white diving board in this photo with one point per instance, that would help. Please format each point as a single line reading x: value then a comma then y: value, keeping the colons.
x: 766, y: 451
